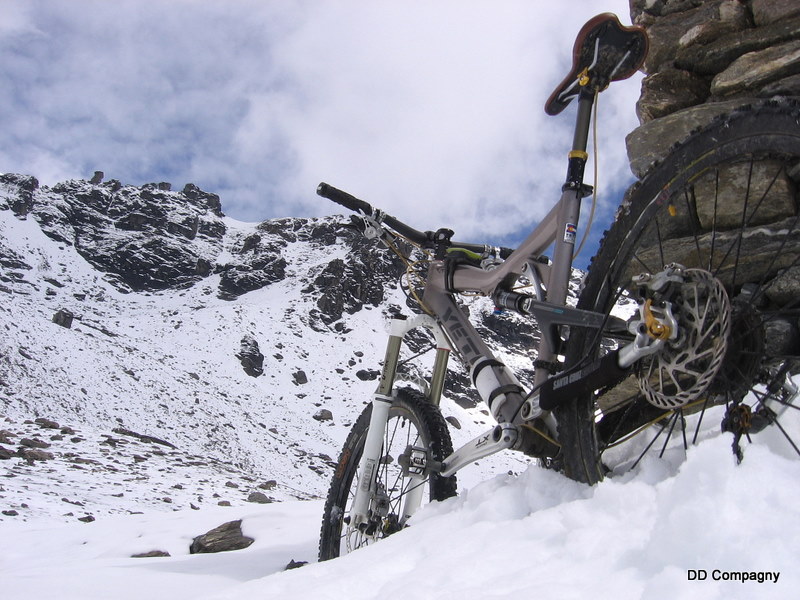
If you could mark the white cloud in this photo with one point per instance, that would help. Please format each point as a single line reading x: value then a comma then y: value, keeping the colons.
x: 432, y: 110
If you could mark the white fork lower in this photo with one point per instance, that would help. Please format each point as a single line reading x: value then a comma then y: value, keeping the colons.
x: 370, y: 460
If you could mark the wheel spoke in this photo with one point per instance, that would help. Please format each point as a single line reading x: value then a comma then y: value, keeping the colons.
x: 786, y: 435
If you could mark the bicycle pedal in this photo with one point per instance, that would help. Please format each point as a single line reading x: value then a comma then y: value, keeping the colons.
x: 416, y: 464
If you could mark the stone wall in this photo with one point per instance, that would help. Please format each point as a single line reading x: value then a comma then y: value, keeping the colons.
x: 708, y: 57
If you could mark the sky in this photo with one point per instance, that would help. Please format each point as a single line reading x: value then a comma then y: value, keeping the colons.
x: 431, y: 110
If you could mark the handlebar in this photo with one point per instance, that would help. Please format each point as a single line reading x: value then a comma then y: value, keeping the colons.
x: 423, y: 238
x: 348, y: 201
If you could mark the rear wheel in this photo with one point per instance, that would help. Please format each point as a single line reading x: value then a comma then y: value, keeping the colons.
x: 413, y: 423
x: 724, y: 205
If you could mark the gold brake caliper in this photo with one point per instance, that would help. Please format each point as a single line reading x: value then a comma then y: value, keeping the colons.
x: 655, y: 328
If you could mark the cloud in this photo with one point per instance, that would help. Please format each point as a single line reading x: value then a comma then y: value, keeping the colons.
x: 431, y: 110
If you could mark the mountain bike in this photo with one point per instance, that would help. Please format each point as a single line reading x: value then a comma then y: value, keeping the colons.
x: 688, y: 313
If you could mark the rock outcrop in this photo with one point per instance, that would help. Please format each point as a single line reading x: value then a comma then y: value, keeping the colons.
x: 707, y: 59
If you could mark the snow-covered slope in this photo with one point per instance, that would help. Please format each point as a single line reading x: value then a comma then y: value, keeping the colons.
x: 155, y: 351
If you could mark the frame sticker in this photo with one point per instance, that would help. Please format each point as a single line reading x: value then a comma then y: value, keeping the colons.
x: 570, y: 232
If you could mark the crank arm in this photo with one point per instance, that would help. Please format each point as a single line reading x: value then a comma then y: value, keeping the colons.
x: 500, y: 437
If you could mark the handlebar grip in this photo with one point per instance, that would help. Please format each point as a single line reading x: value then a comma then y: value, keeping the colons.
x: 348, y: 201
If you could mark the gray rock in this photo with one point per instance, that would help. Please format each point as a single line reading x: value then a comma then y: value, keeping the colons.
x: 324, y: 415
x: 693, y: 27
x: 668, y: 91
x: 770, y: 11
x: 21, y: 200
x: 250, y: 356
x: 259, y: 498
x: 767, y: 190
x: 762, y: 254
x: 64, y: 318
x: 300, y: 377
x: 783, y: 336
x: 785, y: 288
x: 714, y: 57
x: 651, y: 142
x: 367, y: 374
x: 759, y: 68
x: 646, y: 10
x: 453, y: 421
x: 224, y: 538
x: 143, y: 438
x: 788, y: 86
x: 151, y: 554
x: 33, y: 443
x: 33, y: 454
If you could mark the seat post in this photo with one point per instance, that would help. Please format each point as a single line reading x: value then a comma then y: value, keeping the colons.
x: 578, y: 155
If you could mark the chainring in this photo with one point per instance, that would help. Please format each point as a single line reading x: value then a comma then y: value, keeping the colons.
x: 685, y: 367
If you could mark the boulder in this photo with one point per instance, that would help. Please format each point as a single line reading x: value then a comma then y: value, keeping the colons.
x: 64, y: 318
x: 224, y: 538
x: 250, y: 356
x: 323, y: 415
x: 259, y: 498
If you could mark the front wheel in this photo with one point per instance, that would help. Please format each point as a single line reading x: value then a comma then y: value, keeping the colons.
x: 413, y: 423
x: 724, y: 206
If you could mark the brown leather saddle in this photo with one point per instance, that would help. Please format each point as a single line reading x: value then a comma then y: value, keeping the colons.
x: 604, y: 51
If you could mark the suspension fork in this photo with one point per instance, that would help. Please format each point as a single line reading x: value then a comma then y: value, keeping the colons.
x: 382, y: 399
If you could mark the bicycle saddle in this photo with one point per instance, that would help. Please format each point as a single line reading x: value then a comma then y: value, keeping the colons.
x: 604, y: 51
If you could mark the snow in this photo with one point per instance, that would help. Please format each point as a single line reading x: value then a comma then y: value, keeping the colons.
x: 533, y: 535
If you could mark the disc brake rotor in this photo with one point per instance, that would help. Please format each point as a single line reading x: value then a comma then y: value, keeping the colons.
x: 684, y: 369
